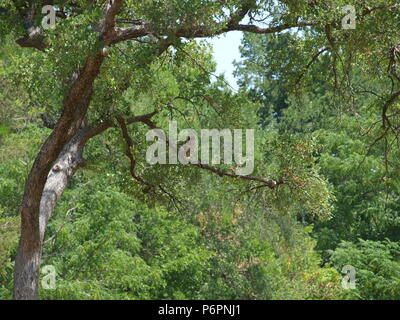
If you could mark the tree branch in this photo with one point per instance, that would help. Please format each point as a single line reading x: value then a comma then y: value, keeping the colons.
x: 123, y: 34
x: 268, y: 182
x: 128, y: 153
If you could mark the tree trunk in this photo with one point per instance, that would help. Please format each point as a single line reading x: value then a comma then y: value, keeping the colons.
x: 75, y: 106
x: 45, y: 173
x: 28, y: 259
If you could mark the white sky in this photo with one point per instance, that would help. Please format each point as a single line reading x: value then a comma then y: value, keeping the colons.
x: 226, y: 50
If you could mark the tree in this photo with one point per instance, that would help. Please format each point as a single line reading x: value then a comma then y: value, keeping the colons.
x: 362, y: 168
x: 357, y: 151
x: 80, y: 53
x: 377, y: 268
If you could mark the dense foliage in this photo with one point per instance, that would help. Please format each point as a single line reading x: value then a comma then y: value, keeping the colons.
x: 322, y: 102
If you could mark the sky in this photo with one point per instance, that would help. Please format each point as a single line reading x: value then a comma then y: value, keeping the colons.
x: 226, y: 50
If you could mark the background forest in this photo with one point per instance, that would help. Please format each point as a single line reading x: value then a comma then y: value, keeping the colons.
x: 318, y: 121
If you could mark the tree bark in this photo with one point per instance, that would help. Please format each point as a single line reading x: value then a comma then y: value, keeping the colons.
x: 28, y: 260
x: 75, y: 108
